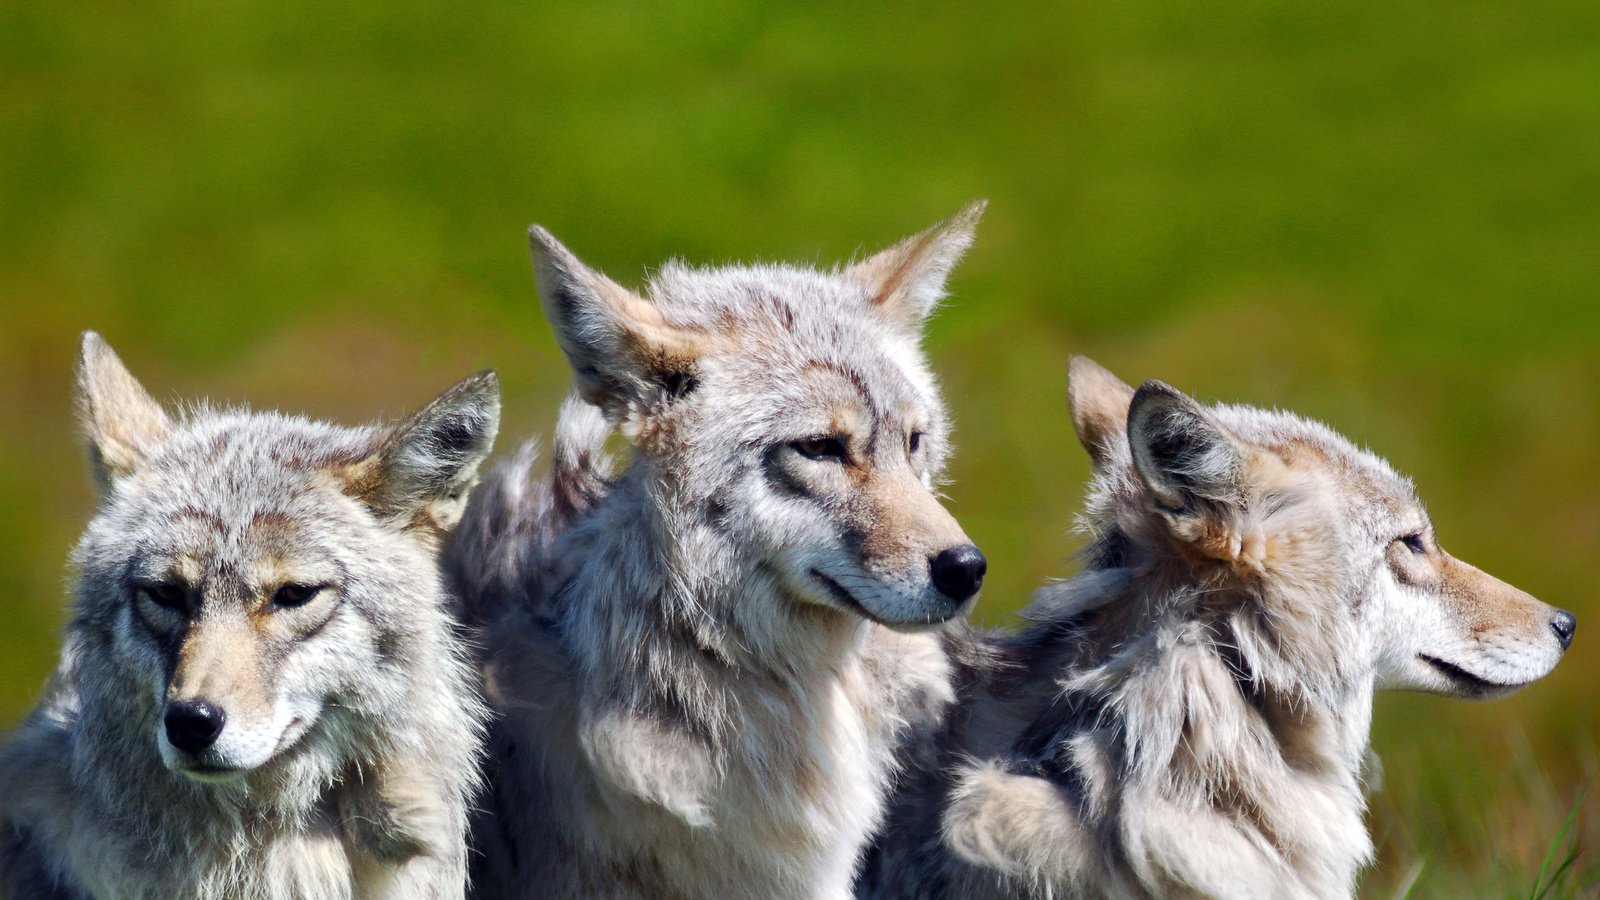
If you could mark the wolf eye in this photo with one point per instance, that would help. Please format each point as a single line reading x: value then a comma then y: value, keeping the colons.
x: 165, y: 594
x: 293, y: 595
x: 914, y: 442
x: 1413, y: 542
x: 829, y: 449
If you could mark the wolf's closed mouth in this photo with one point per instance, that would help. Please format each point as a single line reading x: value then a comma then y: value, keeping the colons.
x: 212, y: 773
x: 1462, y: 676
x: 844, y: 597
x: 849, y: 601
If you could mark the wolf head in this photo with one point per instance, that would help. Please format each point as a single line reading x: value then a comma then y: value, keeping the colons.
x: 1319, y: 555
x: 252, y: 581
x: 790, y: 407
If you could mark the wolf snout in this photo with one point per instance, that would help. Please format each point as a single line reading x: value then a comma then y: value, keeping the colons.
x: 193, y: 725
x: 958, y: 571
x: 1564, y: 624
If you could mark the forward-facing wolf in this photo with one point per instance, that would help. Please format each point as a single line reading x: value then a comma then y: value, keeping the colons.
x: 704, y: 668
x: 1189, y: 717
x: 261, y: 694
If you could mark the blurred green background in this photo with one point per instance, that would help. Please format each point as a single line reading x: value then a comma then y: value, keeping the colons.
x: 1381, y: 215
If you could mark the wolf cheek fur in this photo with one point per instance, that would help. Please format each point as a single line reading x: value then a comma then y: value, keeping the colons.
x: 261, y: 692
x: 1190, y: 716
x: 704, y: 667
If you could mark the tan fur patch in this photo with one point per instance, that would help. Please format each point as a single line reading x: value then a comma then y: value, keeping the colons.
x: 1486, y: 603
x: 1254, y: 546
x: 187, y: 568
x: 361, y: 480
x: 220, y: 661
x: 906, y: 521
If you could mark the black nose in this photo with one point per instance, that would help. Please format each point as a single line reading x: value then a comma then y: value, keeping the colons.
x: 958, y: 572
x: 1564, y: 624
x: 193, y: 725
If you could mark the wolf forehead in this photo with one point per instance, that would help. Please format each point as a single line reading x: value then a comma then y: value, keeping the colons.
x: 778, y: 322
x: 1302, y: 442
x: 741, y: 298
x: 232, y: 472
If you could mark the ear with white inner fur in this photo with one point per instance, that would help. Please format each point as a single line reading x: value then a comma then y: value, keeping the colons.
x: 1099, y: 402
x: 621, y: 349
x: 427, y: 464
x: 907, y: 280
x: 1187, y: 462
x: 121, y: 420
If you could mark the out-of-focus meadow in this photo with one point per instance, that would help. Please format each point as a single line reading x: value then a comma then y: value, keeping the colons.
x: 1386, y: 216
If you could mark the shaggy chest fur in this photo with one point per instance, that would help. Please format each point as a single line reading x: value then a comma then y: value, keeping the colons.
x: 775, y: 796
x: 1156, y: 769
x: 799, y: 789
x: 257, y: 858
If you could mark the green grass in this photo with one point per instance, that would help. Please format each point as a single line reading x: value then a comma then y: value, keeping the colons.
x: 1381, y: 215
x: 1508, y: 831
x: 1553, y: 875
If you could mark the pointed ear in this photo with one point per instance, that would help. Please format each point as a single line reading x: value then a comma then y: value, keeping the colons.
x: 1099, y: 402
x: 121, y: 420
x: 1188, y: 464
x: 906, y: 281
x: 425, y: 466
x: 621, y: 349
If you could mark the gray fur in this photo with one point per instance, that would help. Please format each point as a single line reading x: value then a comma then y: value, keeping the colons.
x: 348, y: 757
x: 687, y: 709
x: 1189, y: 717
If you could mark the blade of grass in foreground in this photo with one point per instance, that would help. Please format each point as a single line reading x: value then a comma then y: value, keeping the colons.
x: 1541, y: 887
x: 1410, y: 881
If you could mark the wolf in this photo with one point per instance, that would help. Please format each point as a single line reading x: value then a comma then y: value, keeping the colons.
x: 1190, y: 715
x: 261, y: 692
x: 702, y: 664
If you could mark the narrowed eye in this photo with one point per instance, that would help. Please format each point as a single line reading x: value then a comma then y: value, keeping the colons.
x: 914, y: 442
x: 166, y: 594
x: 293, y: 595
x: 1413, y: 542
x: 827, y: 449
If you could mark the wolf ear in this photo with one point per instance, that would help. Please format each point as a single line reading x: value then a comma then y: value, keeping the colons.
x: 906, y: 281
x: 621, y: 349
x: 1099, y: 402
x: 426, y: 465
x: 1187, y: 463
x: 121, y: 420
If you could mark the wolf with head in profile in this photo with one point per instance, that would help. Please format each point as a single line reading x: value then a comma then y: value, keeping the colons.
x: 702, y: 665
x: 261, y: 693
x: 1189, y: 716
